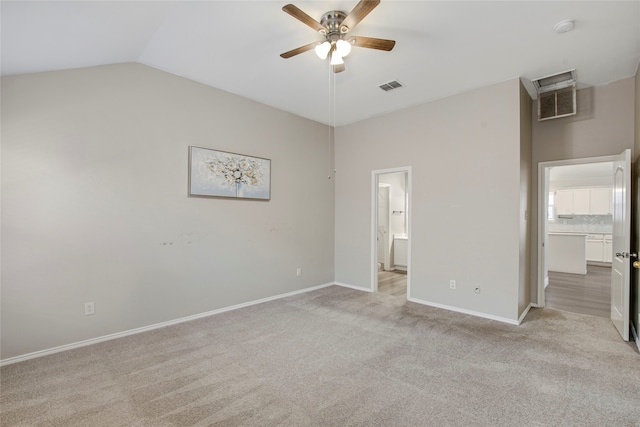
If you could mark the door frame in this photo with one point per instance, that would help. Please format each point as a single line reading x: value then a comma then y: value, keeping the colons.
x: 543, y: 203
x: 375, y: 175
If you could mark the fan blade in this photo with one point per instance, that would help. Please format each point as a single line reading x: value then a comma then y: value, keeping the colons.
x: 299, y: 50
x: 358, y: 13
x: 372, y: 43
x: 338, y: 68
x: 303, y: 17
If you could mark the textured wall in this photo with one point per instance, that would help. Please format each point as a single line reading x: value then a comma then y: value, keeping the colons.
x: 465, y: 157
x: 95, y: 206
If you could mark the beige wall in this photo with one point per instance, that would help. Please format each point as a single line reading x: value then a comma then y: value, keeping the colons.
x: 95, y: 206
x: 603, y: 126
x: 94, y: 177
x: 464, y: 152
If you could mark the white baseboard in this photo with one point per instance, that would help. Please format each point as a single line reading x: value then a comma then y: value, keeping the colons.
x: 465, y: 311
x: 103, y: 338
x: 525, y: 312
x: 357, y: 288
x: 450, y: 308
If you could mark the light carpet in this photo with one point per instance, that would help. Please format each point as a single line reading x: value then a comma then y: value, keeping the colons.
x: 337, y: 357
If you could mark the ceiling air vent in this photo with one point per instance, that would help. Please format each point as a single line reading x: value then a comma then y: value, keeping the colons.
x: 391, y: 86
x: 556, y: 95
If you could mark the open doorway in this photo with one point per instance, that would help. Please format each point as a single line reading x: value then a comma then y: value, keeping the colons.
x: 391, y: 231
x: 572, y: 244
x: 579, y: 238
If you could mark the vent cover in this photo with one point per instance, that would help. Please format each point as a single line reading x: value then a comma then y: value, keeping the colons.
x: 391, y: 86
x: 556, y: 95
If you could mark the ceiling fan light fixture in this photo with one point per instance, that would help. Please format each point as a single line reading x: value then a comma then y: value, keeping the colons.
x: 322, y: 50
x: 336, y: 59
x: 343, y: 47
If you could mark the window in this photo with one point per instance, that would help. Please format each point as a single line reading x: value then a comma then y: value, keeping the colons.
x: 551, y: 211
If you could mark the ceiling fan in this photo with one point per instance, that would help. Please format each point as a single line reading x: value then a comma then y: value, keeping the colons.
x: 334, y: 26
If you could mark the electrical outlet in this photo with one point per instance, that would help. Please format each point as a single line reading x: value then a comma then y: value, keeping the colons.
x: 89, y: 308
x: 477, y: 290
x: 299, y: 272
x: 452, y: 284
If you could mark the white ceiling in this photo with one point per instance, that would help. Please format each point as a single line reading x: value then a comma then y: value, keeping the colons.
x: 442, y: 47
x: 582, y: 171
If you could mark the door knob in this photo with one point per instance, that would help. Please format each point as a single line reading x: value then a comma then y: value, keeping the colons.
x: 636, y: 264
x: 627, y: 255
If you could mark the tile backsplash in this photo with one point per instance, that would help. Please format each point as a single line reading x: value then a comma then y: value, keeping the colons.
x: 582, y: 224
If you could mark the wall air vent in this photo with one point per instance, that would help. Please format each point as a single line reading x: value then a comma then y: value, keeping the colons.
x: 391, y: 86
x: 556, y: 95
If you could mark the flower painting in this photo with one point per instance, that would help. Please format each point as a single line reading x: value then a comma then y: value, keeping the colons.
x: 221, y: 174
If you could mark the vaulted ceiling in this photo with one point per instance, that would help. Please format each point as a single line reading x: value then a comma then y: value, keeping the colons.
x: 442, y: 47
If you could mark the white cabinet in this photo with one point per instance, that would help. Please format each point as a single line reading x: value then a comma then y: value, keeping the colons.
x: 564, y: 202
x: 599, y: 247
x: 608, y: 249
x: 400, y: 249
x: 595, y: 250
x: 583, y: 201
x: 600, y: 201
x: 595, y: 247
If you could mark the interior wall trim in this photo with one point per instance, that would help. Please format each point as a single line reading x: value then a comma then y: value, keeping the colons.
x: 116, y: 335
x: 543, y: 185
x: 375, y: 175
x: 525, y: 312
x: 357, y: 288
x: 470, y: 312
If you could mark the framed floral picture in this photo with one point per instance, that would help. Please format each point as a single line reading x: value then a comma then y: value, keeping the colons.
x: 214, y: 173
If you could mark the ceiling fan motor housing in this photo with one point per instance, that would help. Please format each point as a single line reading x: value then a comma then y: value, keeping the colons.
x: 331, y: 21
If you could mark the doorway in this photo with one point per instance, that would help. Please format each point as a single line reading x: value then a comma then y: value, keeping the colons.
x: 391, y: 236
x: 579, y: 213
x: 556, y: 236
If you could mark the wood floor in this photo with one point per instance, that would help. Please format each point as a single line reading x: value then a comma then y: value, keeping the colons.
x: 586, y: 294
x: 392, y: 282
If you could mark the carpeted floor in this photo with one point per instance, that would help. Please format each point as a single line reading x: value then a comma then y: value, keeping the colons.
x: 338, y: 357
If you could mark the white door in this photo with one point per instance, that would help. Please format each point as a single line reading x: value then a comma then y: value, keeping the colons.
x: 621, y: 261
x: 383, y: 226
